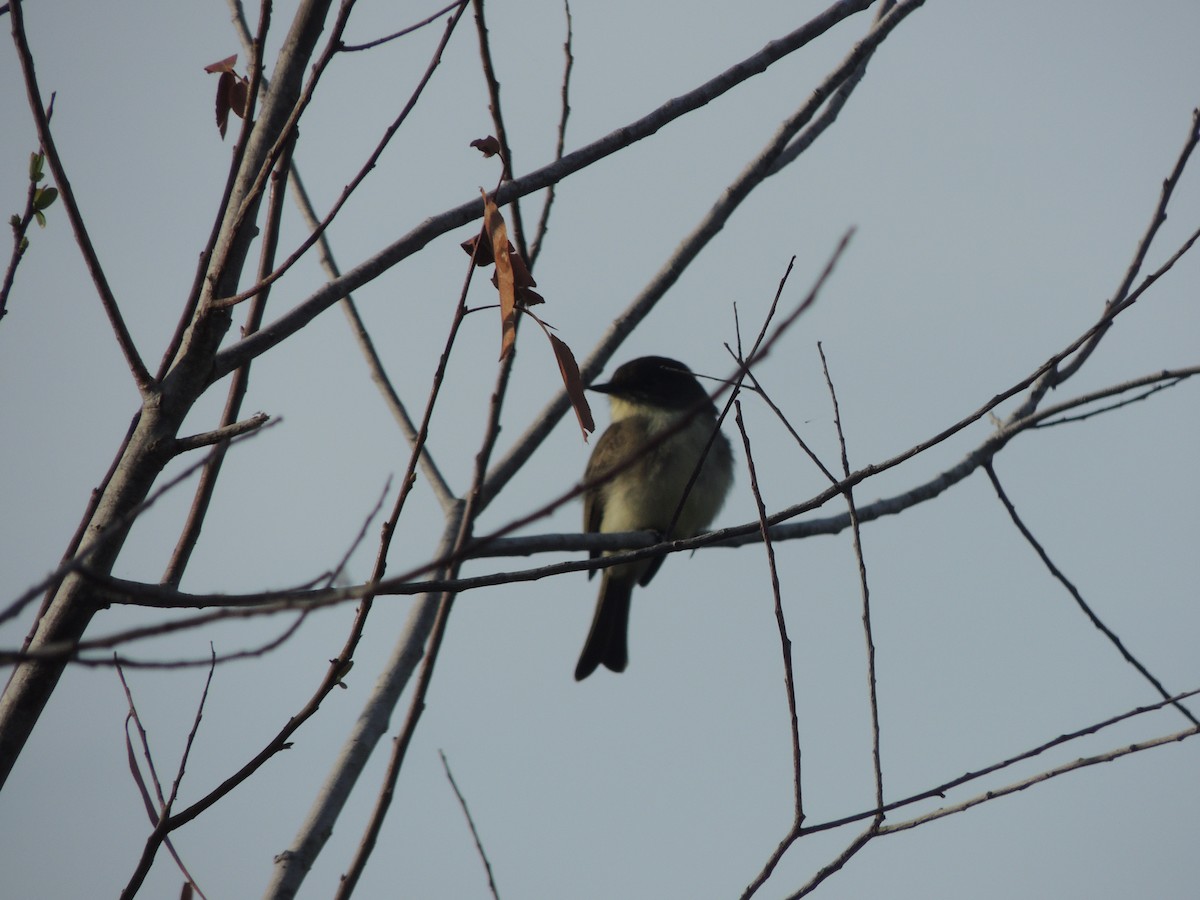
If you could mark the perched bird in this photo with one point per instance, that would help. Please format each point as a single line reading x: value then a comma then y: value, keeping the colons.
x: 648, y: 396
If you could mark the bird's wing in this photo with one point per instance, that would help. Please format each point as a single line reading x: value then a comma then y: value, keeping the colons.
x: 622, y: 433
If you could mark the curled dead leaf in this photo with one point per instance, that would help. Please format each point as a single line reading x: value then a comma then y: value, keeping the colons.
x: 569, y: 370
x: 239, y: 96
x: 497, y: 232
x: 233, y: 92
x: 488, y: 146
x: 223, y: 88
x: 482, y: 254
x: 224, y: 65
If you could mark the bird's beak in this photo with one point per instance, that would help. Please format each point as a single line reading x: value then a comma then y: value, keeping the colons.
x: 604, y: 388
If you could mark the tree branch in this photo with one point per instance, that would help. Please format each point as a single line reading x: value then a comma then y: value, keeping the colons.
x: 1121, y: 299
x: 440, y: 224
x: 1074, y: 592
x: 141, y: 376
x: 68, y: 615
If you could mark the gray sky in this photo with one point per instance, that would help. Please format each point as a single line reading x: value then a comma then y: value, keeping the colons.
x: 1000, y: 162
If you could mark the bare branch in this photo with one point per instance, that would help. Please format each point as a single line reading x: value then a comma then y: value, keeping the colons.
x: 82, y: 554
x: 1112, y: 407
x: 539, y: 234
x: 872, y: 687
x: 382, y: 701
x: 1074, y: 592
x: 835, y: 865
x: 257, y: 87
x: 1160, y: 212
x: 141, y: 376
x: 71, y: 610
x: 254, y: 179
x: 374, y: 364
x: 379, y: 376
x: 293, y: 864
x: 265, y: 280
x: 1122, y: 299
x: 462, y: 801
x: 221, y: 435
x: 1021, y: 785
x: 789, y: 679
x: 804, y: 139
x: 369, y: 45
x: 158, y: 815
x: 238, y: 385
x: 493, y: 87
x: 437, y: 225
x: 942, y: 789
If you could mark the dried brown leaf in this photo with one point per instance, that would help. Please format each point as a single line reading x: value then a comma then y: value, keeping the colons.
x: 232, y: 91
x: 521, y: 274
x: 224, y: 65
x: 497, y: 232
x: 573, y: 383
x: 239, y: 96
x: 528, y: 297
x: 482, y: 255
x: 223, y: 88
x: 488, y: 146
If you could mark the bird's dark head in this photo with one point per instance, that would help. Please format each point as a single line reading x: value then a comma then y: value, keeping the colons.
x: 655, y: 381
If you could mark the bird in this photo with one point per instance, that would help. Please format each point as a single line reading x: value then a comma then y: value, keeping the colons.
x: 649, y: 397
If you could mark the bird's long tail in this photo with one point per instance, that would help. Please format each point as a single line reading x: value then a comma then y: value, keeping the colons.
x: 607, y: 642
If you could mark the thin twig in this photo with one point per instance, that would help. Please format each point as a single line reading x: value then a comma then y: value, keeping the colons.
x: 434, y: 226
x: 20, y: 224
x: 220, y: 435
x: 157, y: 815
x: 517, y: 231
x: 833, y: 106
x: 836, y: 864
x: 539, y: 234
x: 803, y: 444
x: 187, y: 749
x: 253, y: 45
x: 1128, y: 401
x: 462, y: 802
x: 872, y: 682
x: 337, y: 570
x: 49, y: 586
x: 355, y: 48
x: 789, y: 679
x: 84, y: 552
x: 1073, y: 765
x: 293, y: 864
x: 941, y: 790
x: 374, y: 364
x: 249, y: 199
x: 1122, y: 298
x: 461, y: 527
x: 238, y: 384
x: 141, y: 376
x: 314, y: 234
x: 1078, y: 597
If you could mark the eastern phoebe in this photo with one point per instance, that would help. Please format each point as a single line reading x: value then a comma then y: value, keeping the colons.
x: 648, y: 396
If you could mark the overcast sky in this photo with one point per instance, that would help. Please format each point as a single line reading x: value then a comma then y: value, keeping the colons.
x: 999, y: 163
